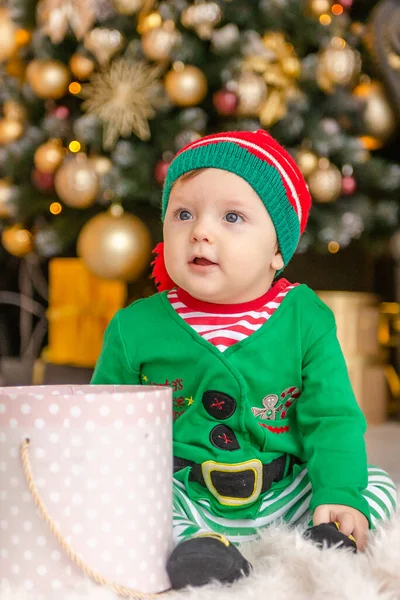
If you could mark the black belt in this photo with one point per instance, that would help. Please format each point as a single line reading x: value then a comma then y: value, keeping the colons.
x: 226, y: 483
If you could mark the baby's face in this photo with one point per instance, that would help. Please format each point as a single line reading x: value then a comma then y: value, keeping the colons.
x: 220, y: 244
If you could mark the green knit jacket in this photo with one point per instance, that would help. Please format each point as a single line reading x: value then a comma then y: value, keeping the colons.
x: 294, y: 359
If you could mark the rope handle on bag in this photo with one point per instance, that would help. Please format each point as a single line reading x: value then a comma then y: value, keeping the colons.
x: 73, y: 556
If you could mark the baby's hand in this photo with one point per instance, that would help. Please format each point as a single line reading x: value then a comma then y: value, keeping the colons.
x: 352, y: 521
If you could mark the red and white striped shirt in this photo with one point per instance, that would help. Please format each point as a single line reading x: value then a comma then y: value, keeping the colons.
x: 225, y: 324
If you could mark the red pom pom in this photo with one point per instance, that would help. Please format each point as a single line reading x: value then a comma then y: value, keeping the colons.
x: 160, y: 274
x: 349, y: 185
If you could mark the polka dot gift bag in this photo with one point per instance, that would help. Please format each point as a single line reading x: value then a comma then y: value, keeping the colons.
x: 85, y: 488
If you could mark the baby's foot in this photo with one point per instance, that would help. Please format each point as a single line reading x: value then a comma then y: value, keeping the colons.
x: 203, y: 558
x: 330, y: 534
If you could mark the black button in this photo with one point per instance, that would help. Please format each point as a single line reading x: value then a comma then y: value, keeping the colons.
x: 223, y: 437
x: 218, y: 404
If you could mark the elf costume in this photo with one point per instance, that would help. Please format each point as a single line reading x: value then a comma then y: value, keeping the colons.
x: 266, y: 423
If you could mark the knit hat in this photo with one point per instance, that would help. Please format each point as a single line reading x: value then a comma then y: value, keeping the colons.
x: 261, y: 161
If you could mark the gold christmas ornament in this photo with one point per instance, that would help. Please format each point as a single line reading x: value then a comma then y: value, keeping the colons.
x: 307, y: 161
x: 124, y: 97
x: 8, y: 41
x: 338, y: 64
x: 127, y: 7
x: 202, y: 17
x: 325, y: 182
x: 269, y: 78
x: 104, y: 43
x: 5, y: 196
x: 101, y: 164
x: 14, y: 111
x: 48, y: 78
x: 157, y: 43
x: 148, y: 21
x: 49, y: 156
x: 379, y: 116
x: 76, y: 182
x: 316, y: 8
x: 10, y: 131
x: 17, y: 240
x: 252, y: 92
x: 81, y: 66
x: 186, y: 85
x: 55, y: 17
x: 115, y: 246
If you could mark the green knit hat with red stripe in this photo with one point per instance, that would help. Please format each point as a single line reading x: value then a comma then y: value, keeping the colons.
x: 261, y: 161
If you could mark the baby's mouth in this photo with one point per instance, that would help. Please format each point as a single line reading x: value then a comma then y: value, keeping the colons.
x: 202, y: 262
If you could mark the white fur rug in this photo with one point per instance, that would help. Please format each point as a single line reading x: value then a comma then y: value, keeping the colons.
x: 288, y: 568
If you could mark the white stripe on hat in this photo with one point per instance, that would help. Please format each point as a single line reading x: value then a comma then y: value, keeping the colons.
x: 262, y: 151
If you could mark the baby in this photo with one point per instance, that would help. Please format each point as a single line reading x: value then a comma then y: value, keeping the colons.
x: 266, y: 426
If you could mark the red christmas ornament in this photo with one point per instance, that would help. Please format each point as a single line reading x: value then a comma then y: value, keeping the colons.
x: 349, y: 185
x: 347, y: 4
x: 43, y: 181
x: 225, y: 102
x: 61, y: 112
x: 160, y: 171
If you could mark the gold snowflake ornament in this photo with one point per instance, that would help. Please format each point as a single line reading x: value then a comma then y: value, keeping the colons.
x: 124, y: 96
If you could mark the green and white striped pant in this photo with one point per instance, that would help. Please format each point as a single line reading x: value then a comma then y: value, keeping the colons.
x: 290, y: 504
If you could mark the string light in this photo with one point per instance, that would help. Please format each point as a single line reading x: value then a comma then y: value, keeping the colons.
x: 333, y: 247
x: 74, y: 146
x: 325, y: 19
x: 75, y: 87
x: 55, y: 208
x: 337, y: 9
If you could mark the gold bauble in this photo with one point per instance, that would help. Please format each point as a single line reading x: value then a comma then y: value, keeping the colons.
x: 48, y: 78
x: 157, y: 43
x: 147, y: 21
x: 186, y: 85
x: 14, y: 111
x: 101, y: 164
x: 10, y: 130
x: 8, y: 41
x: 316, y: 8
x: 115, y: 246
x: 5, y: 195
x: 325, y: 182
x: 291, y: 66
x: 252, y: 93
x: 17, y: 240
x: 127, y: 7
x: 379, y: 116
x: 81, y: 66
x: 339, y: 64
x: 202, y: 17
x: 49, y: 156
x: 103, y: 43
x: 307, y: 161
x: 76, y: 182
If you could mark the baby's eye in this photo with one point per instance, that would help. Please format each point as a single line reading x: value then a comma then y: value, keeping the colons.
x: 184, y: 215
x: 233, y: 217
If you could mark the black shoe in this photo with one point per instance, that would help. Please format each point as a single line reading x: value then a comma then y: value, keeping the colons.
x: 204, y: 558
x: 329, y: 534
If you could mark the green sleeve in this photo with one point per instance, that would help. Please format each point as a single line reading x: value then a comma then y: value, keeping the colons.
x: 332, y: 426
x: 114, y: 366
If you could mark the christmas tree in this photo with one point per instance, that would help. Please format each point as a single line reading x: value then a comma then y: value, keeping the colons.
x: 98, y: 95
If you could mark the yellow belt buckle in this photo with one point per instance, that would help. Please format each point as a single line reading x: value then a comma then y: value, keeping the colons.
x: 255, y: 465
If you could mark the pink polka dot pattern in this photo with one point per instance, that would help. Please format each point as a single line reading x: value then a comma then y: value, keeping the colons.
x: 102, y: 460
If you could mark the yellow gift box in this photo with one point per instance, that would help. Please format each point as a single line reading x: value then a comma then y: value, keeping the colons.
x: 80, y: 307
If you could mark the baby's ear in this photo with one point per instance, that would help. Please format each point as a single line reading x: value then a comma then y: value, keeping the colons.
x: 277, y: 261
